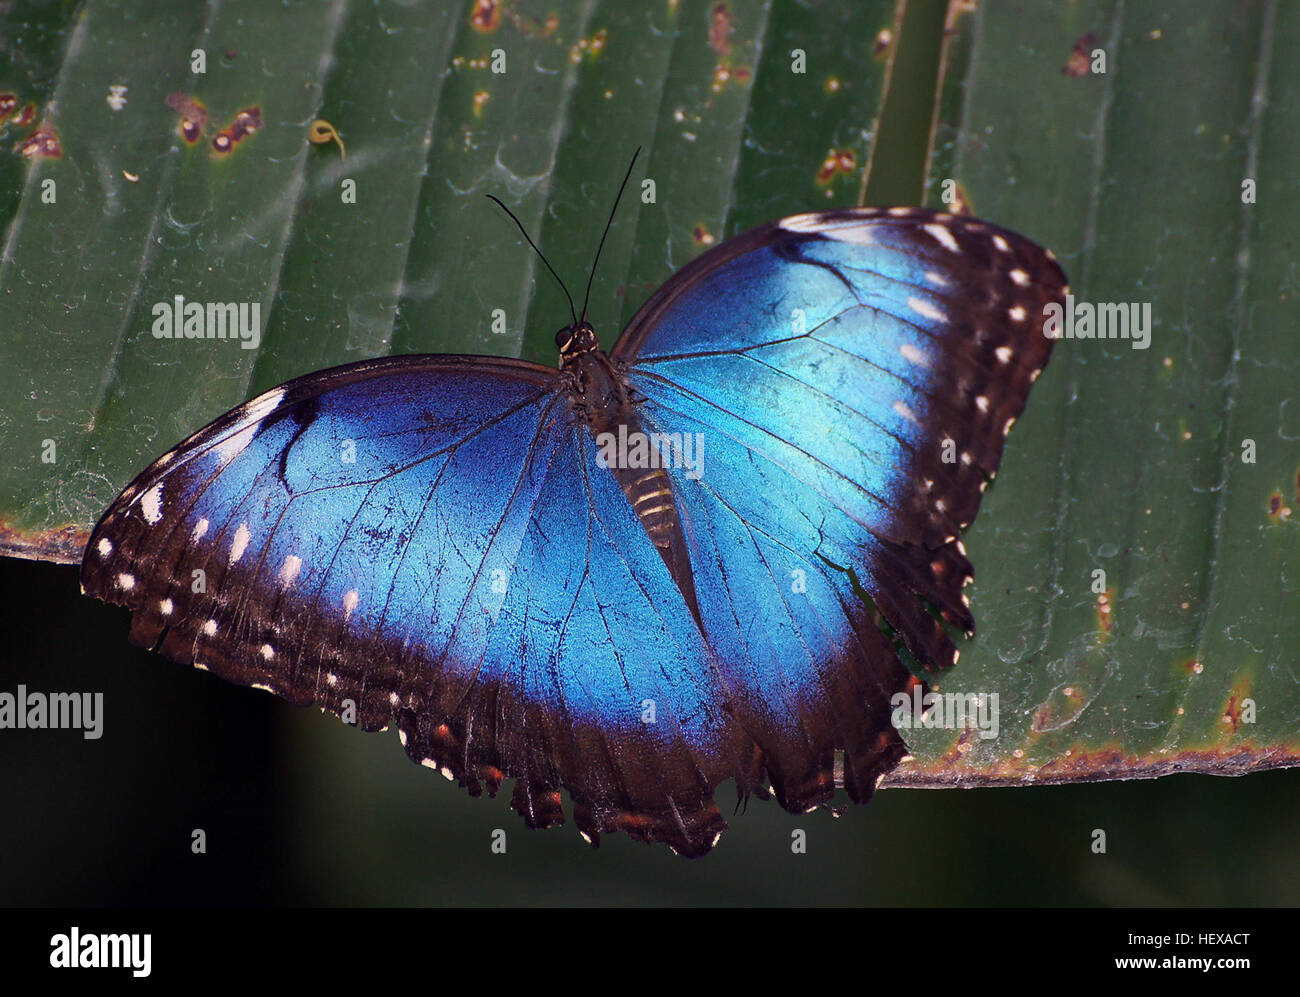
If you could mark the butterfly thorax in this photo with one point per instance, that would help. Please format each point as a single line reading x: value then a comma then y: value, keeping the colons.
x: 601, y: 399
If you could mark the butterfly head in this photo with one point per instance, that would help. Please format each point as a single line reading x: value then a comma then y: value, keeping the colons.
x: 575, y: 340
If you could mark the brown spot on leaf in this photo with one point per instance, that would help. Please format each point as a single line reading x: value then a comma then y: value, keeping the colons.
x: 837, y: 161
x: 531, y: 27
x: 702, y: 236
x: 246, y: 122
x: 194, y: 116
x: 25, y: 117
x: 1081, y: 56
x: 8, y: 101
x: 720, y: 29
x: 41, y: 144
x: 961, y: 747
x: 1232, y: 713
x: 1062, y: 706
x: 1235, y: 707
x: 591, y: 47
x: 486, y: 15
x: 1106, y: 611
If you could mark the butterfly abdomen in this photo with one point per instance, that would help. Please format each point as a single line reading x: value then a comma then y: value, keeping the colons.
x: 651, y: 496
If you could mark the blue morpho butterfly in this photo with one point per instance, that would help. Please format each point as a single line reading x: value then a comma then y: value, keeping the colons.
x: 694, y: 559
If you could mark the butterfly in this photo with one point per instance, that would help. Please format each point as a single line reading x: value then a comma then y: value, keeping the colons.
x: 701, y: 557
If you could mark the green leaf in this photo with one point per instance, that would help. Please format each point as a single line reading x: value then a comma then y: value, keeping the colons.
x: 1127, y: 461
x: 1130, y: 461
x: 422, y: 261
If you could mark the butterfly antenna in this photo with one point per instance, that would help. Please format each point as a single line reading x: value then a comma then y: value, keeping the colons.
x: 572, y: 310
x: 591, y: 276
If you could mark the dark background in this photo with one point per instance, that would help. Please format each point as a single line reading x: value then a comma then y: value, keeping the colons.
x: 301, y: 810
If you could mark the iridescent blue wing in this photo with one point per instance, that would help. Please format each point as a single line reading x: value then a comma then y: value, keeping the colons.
x: 851, y: 377
x: 430, y: 541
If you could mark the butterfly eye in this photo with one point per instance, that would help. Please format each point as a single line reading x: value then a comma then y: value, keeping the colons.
x: 564, y: 337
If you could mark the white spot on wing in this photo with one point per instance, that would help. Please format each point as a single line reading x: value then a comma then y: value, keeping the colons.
x: 233, y: 445
x: 126, y: 581
x: 105, y: 547
x: 350, y: 600
x: 263, y: 405
x: 268, y: 652
x: 166, y: 606
x: 241, y: 543
x: 1020, y: 277
x: 210, y: 627
x: 1001, y: 243
x: 913, y: 355
x: 253, y: 413
x: 926, y: 310
x: 801, y: 223
x: 1017, y: 313
x: 944, y: 237
x: 982, y: 403
x: 937, y: 279
x: 200, y: 528
x: 289, y: 570
x: 845, y: 229
x: 259, y: 685
x: 905, y: 412
x: 1003, y: 353
x: 151, y: 504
